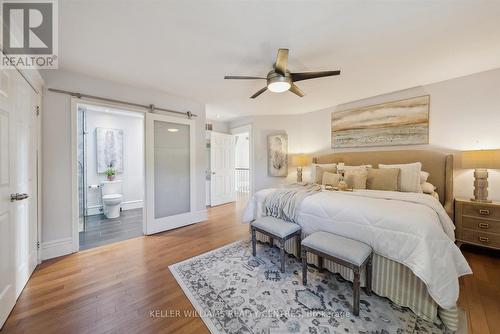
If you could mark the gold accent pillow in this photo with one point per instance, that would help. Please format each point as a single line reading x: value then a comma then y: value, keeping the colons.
x: 356, y: 178
x: 383, y: 179
x: 331, y: 179
x: 322, y: 169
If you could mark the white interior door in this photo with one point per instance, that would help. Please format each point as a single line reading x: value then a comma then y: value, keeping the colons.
x: 222, y: 187
x: 18, y: 187
x: 170, y: 173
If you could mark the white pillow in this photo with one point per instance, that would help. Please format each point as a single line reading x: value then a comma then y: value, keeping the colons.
x: 345, y: 168
x: 409, y: 178
x: 423, y: 177
x: 428, y: 188
x: 313, y: 169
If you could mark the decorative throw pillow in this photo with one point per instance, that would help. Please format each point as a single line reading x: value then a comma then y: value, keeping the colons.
x: 331, y: 179
x: 423, y: 177
x: 383, y: 179
x: 356, y: 178
x: 320, y: 169
x: 428, y: 188
x: 409, y: 177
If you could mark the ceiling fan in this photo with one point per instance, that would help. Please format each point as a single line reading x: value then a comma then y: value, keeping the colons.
x: 280, y: 79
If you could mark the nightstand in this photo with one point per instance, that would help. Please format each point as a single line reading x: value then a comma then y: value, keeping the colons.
x: 477, y: 223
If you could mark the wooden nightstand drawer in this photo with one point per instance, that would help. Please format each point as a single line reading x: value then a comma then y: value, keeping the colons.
x: 477, y: 223
x: 484, y: 225
x: 481, y: 211
x: 481, y: 238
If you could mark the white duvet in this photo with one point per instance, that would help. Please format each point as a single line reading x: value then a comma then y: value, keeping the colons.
x: 410, y: 228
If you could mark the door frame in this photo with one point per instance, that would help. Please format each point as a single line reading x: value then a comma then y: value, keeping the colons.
x: 75, y: 101
x: 248, y: 128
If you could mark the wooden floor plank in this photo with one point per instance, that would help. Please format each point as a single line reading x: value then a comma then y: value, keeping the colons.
x: 113, y: 288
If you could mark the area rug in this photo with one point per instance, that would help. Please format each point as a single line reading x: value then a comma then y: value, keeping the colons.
x: 234, y: 292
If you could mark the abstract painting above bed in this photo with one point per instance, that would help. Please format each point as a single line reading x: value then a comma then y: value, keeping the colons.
x: 404, y: 122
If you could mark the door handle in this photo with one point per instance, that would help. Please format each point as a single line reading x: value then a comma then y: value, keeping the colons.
x: 213, y: 173
x: 18, y: 197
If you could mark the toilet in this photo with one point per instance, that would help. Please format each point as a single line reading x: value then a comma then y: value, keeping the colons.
x: 111, y: 198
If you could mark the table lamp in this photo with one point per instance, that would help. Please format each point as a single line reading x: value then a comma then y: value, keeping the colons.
x: 300, y: 160
x: 481, y: 160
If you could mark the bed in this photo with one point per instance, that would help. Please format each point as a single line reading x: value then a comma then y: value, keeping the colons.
x: 399, y: 278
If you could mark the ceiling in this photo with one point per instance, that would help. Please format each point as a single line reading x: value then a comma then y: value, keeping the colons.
x: 186, y: 47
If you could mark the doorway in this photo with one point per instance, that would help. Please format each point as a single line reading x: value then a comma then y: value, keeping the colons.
x: 242, y: 166
x: 158, y: 195
x: 243, y: 156
x: 110, y: 172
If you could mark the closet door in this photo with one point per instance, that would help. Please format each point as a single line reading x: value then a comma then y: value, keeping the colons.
x: 170, y: 168
x: 18, y: 187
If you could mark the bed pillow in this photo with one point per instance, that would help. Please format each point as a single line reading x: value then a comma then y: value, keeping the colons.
x: 409, y: 177
x: 331, y: 179
x: 346, y: 168
x: 428, y: 188
x: 356, y: 178
x: 423, y: 177
x: 317, y: 171
x: 383, y: 179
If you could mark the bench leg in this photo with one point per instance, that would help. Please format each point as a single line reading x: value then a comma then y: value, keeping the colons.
x: 254, y: 241
x: 355, y: 292
x: 297, y: 239
x: 320, y: 264
x: 282, y: 251
x: 304, y: 266
x: 368, y: 269
x: 271, y: 241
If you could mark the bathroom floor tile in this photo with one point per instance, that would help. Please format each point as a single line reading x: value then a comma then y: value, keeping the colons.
x: 100, y: 230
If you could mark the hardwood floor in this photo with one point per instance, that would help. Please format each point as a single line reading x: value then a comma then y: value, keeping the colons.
x: 480, y: 292
x: 114, y: 288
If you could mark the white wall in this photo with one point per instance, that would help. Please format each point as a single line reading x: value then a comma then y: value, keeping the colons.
x: 464, y: 114
x: 218, y: 126
x: 56, y: 125
x: 132, y: 177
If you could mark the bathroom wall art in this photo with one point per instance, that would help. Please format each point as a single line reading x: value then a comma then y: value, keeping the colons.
x: 109, y: 149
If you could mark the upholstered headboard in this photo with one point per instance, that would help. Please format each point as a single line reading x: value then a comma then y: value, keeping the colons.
x: 438, y: 164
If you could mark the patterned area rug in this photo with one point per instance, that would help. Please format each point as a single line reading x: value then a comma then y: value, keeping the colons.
x: 235, y: 292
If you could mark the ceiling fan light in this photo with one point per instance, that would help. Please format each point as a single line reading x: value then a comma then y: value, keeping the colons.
x: 279, y: 86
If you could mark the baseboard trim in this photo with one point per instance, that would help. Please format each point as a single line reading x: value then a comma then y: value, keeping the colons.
x: 128, y: 205
x: 56, y: 248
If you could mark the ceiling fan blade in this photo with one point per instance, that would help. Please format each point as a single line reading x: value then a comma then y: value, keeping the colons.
x: 258, y: 93
x: 296, y: 90
x: 312, y: 75
x: 241, y: 77
x: 281, y: 64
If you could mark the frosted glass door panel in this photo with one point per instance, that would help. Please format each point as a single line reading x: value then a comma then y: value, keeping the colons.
x: 171, y: 169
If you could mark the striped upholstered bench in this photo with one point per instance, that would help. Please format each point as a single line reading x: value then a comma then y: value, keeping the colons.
x: 344, y: 251
x: 278, y: 229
